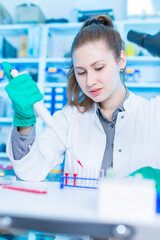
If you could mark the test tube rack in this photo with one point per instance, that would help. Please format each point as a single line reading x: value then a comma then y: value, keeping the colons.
x: 85, y: 178
x: 79, y: 182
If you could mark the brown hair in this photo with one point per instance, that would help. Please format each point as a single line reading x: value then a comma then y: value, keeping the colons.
x: 95, y: 29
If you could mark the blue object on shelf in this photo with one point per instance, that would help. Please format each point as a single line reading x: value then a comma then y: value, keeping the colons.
x: 55, y: 98
x: 56, y: 74
x: 158, y: 203
x: 9, y: 51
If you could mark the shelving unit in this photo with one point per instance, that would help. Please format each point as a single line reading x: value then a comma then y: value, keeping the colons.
x: 144, y: 85
x: 56, y: 84
x: 55, y: 43
x: 3, y: 156
x: 6, y: 121
x: 143, y: 59
x: 60, y: 60
x: 19, y: 60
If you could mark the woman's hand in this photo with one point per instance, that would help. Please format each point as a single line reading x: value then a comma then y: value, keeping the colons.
x: 23, y: 92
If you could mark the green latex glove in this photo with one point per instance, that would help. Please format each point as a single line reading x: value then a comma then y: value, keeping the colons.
x: 23, y: 92
x: 149, y: 173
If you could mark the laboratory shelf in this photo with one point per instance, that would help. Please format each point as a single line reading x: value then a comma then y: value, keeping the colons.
x: 63, y: 62
x: 143, y: 59
x: 64, y: 26
x: 6, y: 121
x: 14, y: 29
x: 144, y: 21
x: 56, y: 84
x: 3, y: 156
x: 16, y: 26
x: 19, y: 60
x: 143, y: 85
x: 58, y: 60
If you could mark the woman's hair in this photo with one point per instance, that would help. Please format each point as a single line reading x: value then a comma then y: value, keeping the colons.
x: 99, y: 28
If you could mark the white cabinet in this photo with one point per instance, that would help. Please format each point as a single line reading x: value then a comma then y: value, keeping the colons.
x: 54, y: 47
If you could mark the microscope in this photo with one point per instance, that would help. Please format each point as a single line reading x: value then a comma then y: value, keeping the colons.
x: 147, y: 41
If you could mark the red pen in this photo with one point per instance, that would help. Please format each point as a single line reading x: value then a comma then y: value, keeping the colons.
x: 12, y: 187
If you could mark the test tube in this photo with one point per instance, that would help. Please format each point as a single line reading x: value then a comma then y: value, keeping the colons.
x: 100, y: 175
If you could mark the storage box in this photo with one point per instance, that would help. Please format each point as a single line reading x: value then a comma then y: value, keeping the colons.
x: 29, y: 14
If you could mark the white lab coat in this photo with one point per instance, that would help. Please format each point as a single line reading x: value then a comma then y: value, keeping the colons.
x: 136, y: 142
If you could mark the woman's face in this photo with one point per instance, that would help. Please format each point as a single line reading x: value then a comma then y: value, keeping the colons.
x: 97, y: 71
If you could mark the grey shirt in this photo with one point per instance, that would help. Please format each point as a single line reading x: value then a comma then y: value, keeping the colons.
x: 109, y: 128
x: 21, y: 144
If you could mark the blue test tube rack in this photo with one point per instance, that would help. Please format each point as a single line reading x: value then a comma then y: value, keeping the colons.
x: 92, y: 181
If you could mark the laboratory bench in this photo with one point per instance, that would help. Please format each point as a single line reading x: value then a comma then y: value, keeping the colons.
x: 65, y: 211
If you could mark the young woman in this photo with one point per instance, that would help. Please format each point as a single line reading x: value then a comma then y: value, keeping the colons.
x: 104, y: 124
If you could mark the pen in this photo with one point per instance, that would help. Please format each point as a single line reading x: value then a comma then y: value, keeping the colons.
x: 24, y: 189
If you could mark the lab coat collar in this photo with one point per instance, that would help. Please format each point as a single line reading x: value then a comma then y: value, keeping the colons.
x: 129, y: 104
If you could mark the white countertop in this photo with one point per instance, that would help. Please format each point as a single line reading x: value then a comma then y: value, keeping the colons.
x: 68, y: 204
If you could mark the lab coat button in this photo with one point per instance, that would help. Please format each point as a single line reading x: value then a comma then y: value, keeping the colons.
x: 119, y: 150
x: 122, y: 117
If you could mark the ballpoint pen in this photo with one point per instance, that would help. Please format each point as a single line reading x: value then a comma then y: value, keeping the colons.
x: 24, y: 189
